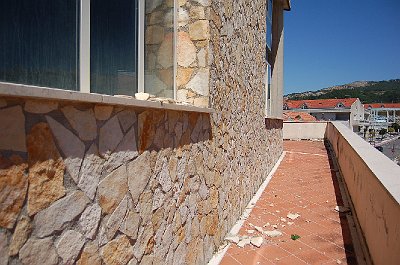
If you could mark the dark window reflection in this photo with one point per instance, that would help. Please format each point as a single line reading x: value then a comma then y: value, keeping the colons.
x: 113, y: 47
x: 38, y: 42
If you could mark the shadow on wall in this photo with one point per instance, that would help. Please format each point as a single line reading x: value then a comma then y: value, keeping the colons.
x: 104, y: 168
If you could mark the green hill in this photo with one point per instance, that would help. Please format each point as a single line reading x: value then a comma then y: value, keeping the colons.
x: 367, y: 91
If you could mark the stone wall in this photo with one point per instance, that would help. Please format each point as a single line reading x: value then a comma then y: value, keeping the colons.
x: 159, y: 48
x: 108, y: 184
x: 99, y: 184
x: 192, y: 52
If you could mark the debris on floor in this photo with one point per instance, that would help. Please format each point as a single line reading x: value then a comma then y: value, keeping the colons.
x: 273, y: 233
x: 292, y: 216
x: 257, y: 241
x: 342, y: 209
x: 244, y: 242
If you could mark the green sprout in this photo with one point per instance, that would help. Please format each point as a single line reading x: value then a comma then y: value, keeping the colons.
x: 294, y: 236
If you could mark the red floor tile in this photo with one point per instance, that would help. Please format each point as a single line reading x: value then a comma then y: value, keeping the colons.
x: 304, y: 183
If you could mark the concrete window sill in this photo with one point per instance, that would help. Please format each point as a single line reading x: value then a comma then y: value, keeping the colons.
x: 35, y: 92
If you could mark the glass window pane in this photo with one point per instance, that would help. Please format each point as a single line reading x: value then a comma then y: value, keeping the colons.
x: 113, y: 46
x: 159, y: 49
x: 38, y: 41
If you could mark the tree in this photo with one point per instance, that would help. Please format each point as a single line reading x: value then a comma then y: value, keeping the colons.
x: 391, y: 130
x: 395, y: 126
x: 382, y: 132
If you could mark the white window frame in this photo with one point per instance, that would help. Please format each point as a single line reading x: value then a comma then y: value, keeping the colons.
x: 84, y: 47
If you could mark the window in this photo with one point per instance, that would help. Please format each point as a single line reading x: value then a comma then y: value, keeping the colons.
x: 268, y: 92
x: 37, y: 48
x: 269, y: 25
x: 110, y: 47
x: 113, y: 47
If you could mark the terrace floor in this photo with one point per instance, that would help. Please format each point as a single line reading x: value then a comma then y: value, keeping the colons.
x: 305, y: 183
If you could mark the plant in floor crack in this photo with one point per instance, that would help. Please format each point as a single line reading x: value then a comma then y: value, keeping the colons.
x: 294, y: 236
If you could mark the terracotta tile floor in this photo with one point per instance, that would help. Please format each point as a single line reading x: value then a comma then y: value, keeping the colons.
x: 304, y: 183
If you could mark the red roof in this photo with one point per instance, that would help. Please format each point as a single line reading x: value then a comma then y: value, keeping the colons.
x: 382, y: 105
x: 297, y: 116
x: 320, y: 103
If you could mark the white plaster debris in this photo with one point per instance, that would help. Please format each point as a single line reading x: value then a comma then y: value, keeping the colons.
x: 257, y: 241
x: 273, y: 233
x: 267, y: 224
x: 290, y: 223
x: 233, y: 239
x: 244, y: 242
x: 142, y: 96
x: 283, y: 220
x: 292, y: 216
x: 275, y: 226
x: 259, y: 229
x: 342, y: 209
x: 271, y: 205
x: 250, y: 231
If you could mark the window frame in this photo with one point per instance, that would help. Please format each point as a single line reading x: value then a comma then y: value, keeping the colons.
x: 84, y: 46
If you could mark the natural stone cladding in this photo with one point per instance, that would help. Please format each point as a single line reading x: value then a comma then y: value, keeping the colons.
x: 90, y: 183
x: 192, y: 53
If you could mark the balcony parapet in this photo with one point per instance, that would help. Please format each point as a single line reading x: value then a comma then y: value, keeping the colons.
x: 372, y: 181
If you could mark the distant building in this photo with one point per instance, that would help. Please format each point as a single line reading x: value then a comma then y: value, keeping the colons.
x: 349, y: 110
x: 298, y: 116
x: 381, y: 115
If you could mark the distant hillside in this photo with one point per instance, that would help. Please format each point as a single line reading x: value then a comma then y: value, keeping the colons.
x: 366, y: 91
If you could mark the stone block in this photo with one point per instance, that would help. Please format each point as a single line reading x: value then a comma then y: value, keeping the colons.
x: 199, y: 30
x: 165, y: 52
x: 50, y: 220
x: 118, y: 251
x: 186, y: 51
x: 46, y: 169
x: 40, y: 107
x: 83, y: 122
x: 154, y: 34
x: 13, y: 188
x: 112, y: 189
x: 12, y: 129
x: 39, y: 251
x: 103, y: 112
x: 71, y: 146
x: 200, y: 82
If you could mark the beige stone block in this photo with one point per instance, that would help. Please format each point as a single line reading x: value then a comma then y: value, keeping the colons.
x: 186, y: 51
x: 183, y: 17
x: 154, y: 35
x: 199, y: 30
x: 202, y: 58
x: 201, y: 102
x: 183, y: 76
x: 166, y: 76
x: 90, y: 255
x: 21, y: 234
x: 112, y: 189
x: 197, y: 12
x: 182, y: 95
x: 155, y: 17
x: 165, y: 52
x: 200, y: 82
x: 182, y: 2
x: 118, y: 251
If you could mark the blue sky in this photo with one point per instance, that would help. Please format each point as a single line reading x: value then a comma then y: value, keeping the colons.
x: 336, y: 42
